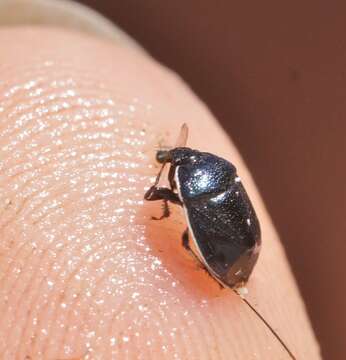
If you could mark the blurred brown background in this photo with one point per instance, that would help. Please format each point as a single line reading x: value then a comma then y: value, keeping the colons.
x: 274, y: 73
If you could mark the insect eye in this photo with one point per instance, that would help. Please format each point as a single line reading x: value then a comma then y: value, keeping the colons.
x: 162, y: 156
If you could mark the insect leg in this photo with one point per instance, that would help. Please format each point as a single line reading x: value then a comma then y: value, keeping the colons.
x: 165, y: 194
x: 185, y: 240
x: 186, y: 245
x: 162, y: 193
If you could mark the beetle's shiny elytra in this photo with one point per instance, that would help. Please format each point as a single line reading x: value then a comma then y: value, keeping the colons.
x: 220, y: 218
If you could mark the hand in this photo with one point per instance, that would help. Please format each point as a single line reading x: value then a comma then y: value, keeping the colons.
x: 84, y: 271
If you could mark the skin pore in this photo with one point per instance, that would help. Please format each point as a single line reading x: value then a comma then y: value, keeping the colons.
x: 84, y: 271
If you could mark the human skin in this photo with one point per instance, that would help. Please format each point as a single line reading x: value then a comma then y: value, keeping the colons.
x: 84, y: 271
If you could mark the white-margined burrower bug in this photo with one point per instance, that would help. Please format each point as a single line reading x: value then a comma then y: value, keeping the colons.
x: 221, y: 220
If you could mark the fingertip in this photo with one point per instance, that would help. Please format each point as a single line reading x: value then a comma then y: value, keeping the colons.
x: 76, y: 166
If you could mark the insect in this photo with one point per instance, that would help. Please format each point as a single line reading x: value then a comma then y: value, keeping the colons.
x: 221, y: 220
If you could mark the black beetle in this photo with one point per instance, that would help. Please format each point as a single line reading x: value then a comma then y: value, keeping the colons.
x: 221, y: 219
x: 223, y: 224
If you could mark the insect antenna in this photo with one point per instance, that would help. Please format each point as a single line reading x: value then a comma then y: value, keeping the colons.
x: 267, y: 325
x: 183, y: 135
